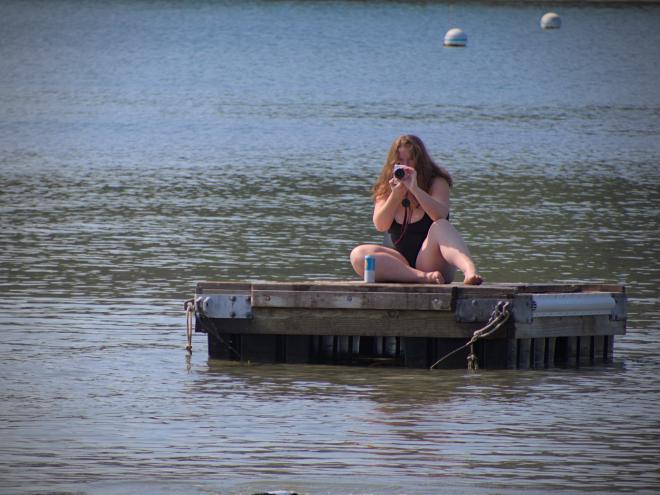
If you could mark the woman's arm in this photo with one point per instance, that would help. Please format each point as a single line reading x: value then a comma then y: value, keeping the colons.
x: 385, y: 208
x: 436, y: 202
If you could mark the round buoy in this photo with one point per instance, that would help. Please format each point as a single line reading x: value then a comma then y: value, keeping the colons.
x: 550, y: 21
x: 455, y: 37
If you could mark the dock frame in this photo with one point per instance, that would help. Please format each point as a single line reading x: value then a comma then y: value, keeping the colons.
x: 410, y: 325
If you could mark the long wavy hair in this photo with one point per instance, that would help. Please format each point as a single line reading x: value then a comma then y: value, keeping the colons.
x: 426, y: 168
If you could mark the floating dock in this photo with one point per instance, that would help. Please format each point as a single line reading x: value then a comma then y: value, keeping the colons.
x: 410, y: 325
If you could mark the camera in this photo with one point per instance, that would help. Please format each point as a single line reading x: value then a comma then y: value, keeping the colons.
x: 399, y: 171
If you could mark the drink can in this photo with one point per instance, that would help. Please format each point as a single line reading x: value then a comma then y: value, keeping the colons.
x: 369, y: 269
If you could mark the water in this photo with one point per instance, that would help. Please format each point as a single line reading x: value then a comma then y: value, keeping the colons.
x: 145, y: 146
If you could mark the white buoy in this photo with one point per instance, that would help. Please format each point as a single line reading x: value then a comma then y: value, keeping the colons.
x: 455, y: 37
x: 550, y: 21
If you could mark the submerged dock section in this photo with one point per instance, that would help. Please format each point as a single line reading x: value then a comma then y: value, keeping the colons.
x: 411, y: 325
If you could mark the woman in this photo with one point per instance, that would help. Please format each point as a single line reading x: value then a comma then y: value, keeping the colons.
x: 414, y: 211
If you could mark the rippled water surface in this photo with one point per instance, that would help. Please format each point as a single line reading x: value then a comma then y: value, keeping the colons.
x: 145, y: 146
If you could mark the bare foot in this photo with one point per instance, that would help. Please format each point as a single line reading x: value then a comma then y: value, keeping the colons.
x: 474, y: 279
x: 434, y: 278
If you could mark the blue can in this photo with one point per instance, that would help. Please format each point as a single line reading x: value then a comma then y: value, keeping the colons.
x: 369, y: 269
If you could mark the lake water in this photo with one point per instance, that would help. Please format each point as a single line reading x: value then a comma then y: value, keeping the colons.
x: 145, y: 146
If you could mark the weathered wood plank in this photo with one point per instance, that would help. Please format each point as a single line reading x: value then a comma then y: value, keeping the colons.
x: 511, y: 354
x: 486, y: 291
x: 352, y: 286
x: 235, y: 288
x: 599, y: 348
x: 462, y: 291
x: 609, y: 347
x: 476, y: 309
x: 538, y: 358
x: 550, y: 344
x: 584, y: 349
x: 571, y: 351
x: 287, y: 321
x: 343, y: 344
x: 569, y: 326
x: 352, y: 300
x: 355, y: 344
x: 327, y: 346
x: 524, y: 353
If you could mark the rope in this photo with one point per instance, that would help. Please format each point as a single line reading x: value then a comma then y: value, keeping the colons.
x: 498, y: 317
x: 206, y: 323
x: 189, y: 306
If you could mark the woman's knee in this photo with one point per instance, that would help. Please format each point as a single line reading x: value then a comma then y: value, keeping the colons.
x: 439, y: 226
x: 441, y: 223
x: 358, y: 253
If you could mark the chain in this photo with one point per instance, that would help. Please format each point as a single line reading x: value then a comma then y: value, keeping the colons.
x: 498, y: 317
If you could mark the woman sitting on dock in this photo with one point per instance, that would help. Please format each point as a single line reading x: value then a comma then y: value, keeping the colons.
x: 411, y: 204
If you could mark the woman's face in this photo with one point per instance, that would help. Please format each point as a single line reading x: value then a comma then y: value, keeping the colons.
x: 404, y: 157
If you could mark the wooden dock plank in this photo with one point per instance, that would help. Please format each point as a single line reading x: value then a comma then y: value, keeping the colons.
x: 609, y: 347
x: 524, y: 353
x: 538, y: 358
x: 599, y: 348
x: 511, y: 353
x: 351, y: 286
x: 584, y: 349
x: 550, y: 345
x: 383, y: 323
x: 571, y: 351
x: 223, y: 287
x: 411, y: 301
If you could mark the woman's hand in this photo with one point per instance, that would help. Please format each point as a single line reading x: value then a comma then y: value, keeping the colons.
x: 398, y: 188
x: 410, y: 178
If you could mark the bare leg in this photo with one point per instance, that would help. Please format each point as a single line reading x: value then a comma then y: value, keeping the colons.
x: 445, y: 245
x: 391, y: 266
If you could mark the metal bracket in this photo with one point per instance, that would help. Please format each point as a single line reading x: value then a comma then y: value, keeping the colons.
x: 522, y: 308
x: 620, y: 311
x: 225, y: 306
x: 475, y: 310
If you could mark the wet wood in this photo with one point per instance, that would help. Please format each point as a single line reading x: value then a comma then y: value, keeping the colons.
x: 538, y: 358
x: 511, y: 353
x: 524, y: 353
x: 584, y: 349
x: 550, y: 344
x: 609, y: 347
x: 599, y: 348
x: 571, y: 351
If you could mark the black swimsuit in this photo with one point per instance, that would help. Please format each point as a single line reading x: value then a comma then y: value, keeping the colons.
x: 412, y: 240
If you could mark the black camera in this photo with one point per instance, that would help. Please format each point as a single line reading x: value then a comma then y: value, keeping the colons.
x: 399, y: 172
